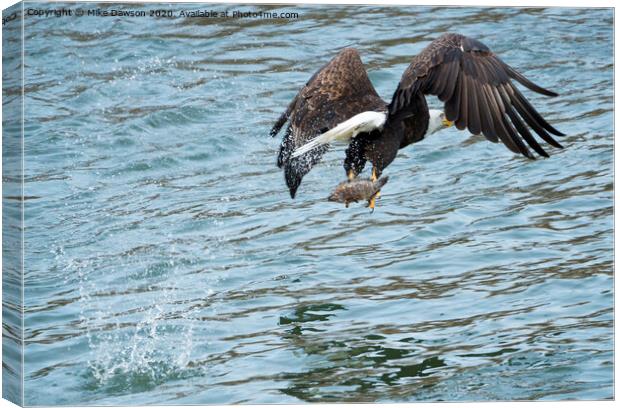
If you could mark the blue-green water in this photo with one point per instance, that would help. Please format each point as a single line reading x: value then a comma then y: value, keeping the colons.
x: 166, y: 263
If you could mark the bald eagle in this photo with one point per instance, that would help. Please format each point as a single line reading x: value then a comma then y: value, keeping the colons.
x: 339, y: 104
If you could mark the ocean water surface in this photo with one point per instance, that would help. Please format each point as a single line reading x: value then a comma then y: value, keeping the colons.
x: 167, y: 264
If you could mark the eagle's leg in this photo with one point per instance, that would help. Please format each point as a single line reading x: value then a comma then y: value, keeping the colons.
x: 373, y: 177
x: 354, y: 161
x: 351, y: 175
x: 372, y: 202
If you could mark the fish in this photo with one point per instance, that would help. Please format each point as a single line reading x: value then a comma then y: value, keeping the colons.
x: 357, y: 190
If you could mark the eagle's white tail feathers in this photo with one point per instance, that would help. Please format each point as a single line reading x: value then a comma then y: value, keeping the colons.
x: 345, y: 131
x: 325, y: 138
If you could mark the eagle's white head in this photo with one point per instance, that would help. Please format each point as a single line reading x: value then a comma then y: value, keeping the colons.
x: 437, y: 121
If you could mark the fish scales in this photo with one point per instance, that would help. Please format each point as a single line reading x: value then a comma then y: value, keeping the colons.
x: 357, y: 190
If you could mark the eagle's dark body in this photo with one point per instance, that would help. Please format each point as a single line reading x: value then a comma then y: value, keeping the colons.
x: 474, y: 84
x: 339, y: 90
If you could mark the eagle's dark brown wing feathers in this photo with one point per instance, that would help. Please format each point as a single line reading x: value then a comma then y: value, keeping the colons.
x: 336, y: 92
x: 526, y: 82
x: 283, y: 118
x: 476, y: 88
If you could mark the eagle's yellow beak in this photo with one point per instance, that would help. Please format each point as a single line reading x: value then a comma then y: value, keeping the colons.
x: 447, y: 123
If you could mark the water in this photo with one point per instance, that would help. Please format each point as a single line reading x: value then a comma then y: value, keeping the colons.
x: 166, y: 263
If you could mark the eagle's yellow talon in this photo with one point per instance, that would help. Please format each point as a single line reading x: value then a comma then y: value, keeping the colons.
x: 371, y: 203
x: 351, y: 175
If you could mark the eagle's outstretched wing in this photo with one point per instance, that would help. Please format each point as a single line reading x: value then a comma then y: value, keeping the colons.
x: 337, y: 92
x: 476, y: 88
